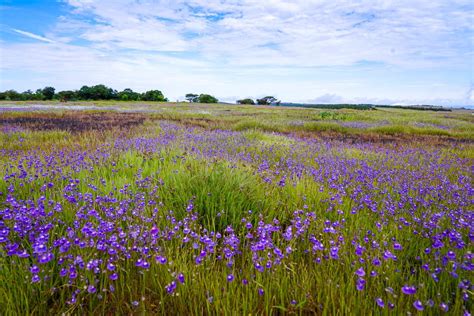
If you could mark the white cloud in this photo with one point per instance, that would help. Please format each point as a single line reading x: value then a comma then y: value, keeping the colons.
x: 34, y: 36
x: 296, y: 49
x: 304, y: 32
x: 470, y: 94
x: 327, y: 99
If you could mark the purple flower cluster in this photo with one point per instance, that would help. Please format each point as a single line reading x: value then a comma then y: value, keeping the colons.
x: 88, y: 228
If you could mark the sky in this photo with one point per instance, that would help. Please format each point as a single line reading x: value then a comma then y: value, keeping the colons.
x: 364, y: 51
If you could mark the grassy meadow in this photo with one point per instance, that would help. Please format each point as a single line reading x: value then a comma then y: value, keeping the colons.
x: 191, y: 209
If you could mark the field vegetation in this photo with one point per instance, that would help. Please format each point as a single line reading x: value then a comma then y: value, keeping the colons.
x: 179, y: 208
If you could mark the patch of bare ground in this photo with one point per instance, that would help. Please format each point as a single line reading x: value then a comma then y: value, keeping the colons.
x: 74, y: 122
x: 378, y: 138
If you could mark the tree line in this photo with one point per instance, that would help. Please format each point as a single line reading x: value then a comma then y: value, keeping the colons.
x: 97, y: 92
x: 102, y: 92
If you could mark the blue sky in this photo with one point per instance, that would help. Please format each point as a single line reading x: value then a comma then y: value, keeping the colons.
x: 384, y: 51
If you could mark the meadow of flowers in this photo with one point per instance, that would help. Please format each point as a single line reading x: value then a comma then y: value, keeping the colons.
x: 170, y: 218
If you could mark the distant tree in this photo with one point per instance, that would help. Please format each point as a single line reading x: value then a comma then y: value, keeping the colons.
x: 153, y: 95
x: 191, y: 97
x: 67, y: 95
x: 27, y: 95
x: 12, y: 95
x: 266, y: 100
x: 48, y: 93
x: 84, y: 93
x: 97, y: 92
x: 206, y: 98
x: 39, y: 94
x: 128, y: 95
x: 246, y: 101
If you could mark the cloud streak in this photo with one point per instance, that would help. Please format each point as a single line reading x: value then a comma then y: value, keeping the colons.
x: 34, y: 36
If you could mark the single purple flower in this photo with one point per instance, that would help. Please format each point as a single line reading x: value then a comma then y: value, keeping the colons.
x: 444, y: 307
x: 360, y: 272
x: 161, y: 259
x: 34, y: 270
x: 380, y: 302
x: 45, y: 258
x: 334, y: 252
x: 181, y: 278
x: 418, y: 305
x: 408, y: 290
x: 397, y: 246
x: 154, y: 231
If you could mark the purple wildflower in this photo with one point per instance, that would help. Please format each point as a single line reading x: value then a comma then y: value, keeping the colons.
x: 181, y: 278
x: 444, y: 307
x: 408, y: 290
x: 360, y: 272
x: 418, y: 305
x: 360, y: 284
x: 170, y: 288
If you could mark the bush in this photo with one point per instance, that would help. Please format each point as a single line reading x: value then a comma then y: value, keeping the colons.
x: 206, y: 98
x: 154, y: 95
x: 246, y: 101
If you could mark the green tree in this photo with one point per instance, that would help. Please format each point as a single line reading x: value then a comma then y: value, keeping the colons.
x: 206, y: 98
x: 246, y: 101
x: 39, y: 94
x: 97, y: 92
x: 48, y: 93
x: 192, y: 97
x: 67, y: 95
x: 266, y: 100
x: 13, y: 95
x: 27, y: 95
x: 154, y: 95
x: 128, y: 95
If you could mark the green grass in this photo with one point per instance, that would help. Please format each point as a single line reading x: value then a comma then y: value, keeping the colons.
x: 223, y: 192
x: 458, y: 123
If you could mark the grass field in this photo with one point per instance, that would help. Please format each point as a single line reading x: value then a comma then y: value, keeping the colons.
x: 132, y: 208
